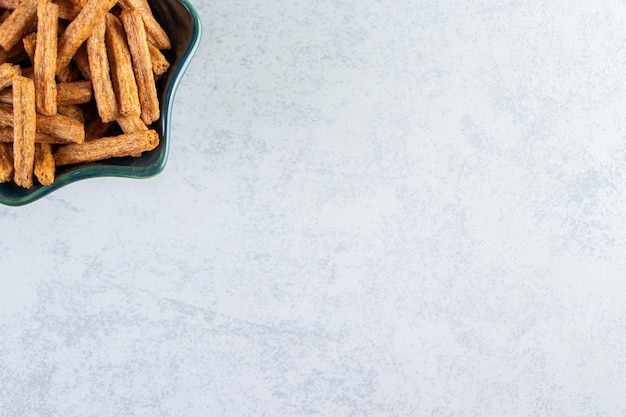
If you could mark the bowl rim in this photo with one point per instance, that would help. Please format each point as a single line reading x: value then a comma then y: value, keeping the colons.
x: 96, y: 170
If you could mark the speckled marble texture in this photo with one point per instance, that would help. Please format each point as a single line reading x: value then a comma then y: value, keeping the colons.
x: 371, y: 208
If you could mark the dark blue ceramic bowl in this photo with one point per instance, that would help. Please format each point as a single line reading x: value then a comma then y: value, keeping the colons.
x: 182, y: 23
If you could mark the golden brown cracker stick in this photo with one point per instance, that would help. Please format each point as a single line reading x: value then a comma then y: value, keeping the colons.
x: 77, y: 92
x: 82, y: 61
x: 61, y: 126
x: 44, y: 163
x: 68, y: 94
x: 16, y: 25
x: 100, y: 73
x: 71, y: 73
x: 154, y: 31
x: 130, y: 124
x: 6, y: 114
x: 6, y: 135
x: 67, y: 9
x: 144, y: 4
x: 31, y: 27
x: 159, y: 63
x: 7, y: 72
x: 72, y: 111
x: 6, y: 162
x: 122, y: 72
x: 127, y: 144
x: 24, y: 115
x: 80, y: 29
x: 9, y: 4
x: 46, y: 57
x: 142, y: 65
x: 156, y: 34
x: 30, y: 45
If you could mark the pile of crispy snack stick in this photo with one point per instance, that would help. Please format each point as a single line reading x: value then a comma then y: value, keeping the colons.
x: 77, y: 83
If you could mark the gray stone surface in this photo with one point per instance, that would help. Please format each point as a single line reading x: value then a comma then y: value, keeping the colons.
x: 371, y: 208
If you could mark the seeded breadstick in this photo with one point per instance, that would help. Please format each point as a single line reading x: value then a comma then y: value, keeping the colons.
x: 121, y: 68
x: 46, y: 57
x: 159, y: 62
x: 127, y: 144
x: 16, y: 25
x: 6, y: 162
x: 44, y: 163
x: 142, y: 65
x: 100, y: 73
x: 131, y: 124
x: 80, y: 29
x: 7, y: 72
x: 155, y: 32
x: 24, y: 116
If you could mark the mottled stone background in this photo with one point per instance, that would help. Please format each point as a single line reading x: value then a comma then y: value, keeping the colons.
x: 371, y: 208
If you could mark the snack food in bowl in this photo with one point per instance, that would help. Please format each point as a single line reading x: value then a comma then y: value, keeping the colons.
x: 86, y: 89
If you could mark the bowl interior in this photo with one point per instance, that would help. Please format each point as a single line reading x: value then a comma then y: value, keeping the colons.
x: 182, y: 24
